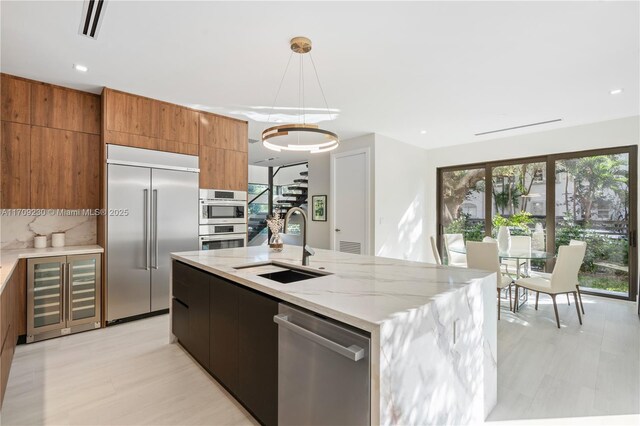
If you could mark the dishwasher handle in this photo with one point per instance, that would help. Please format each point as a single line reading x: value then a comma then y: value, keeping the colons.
x: 353, y: 352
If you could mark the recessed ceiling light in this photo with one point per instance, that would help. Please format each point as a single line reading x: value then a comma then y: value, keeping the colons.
x: 616, y: 91
x: 423, y: 132
x: 80, y: 68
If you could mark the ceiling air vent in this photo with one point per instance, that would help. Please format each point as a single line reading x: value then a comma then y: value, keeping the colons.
x: 252, y: 141
x: 519, y: 127
x: 92, y: 14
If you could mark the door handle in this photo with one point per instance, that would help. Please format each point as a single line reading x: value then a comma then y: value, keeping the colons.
x: 353, y: 352
x: 69, y: 292
x: 337, y: 229
x: 155, y: 228
x: 63, y: 291
x: 145, y: 227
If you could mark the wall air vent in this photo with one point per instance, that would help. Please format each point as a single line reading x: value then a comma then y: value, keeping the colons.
x: 92, y: 17
x: 519, y: 127
x: 265, y: 160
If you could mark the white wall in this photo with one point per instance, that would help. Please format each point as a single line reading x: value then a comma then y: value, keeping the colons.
x: 400, y: 200
x: 605, y: 134
x: 320, y: 184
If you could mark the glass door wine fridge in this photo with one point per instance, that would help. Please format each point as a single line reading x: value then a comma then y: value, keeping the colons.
x: 63, y: 295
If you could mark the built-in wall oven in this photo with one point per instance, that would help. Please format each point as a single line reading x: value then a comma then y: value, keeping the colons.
x: 222, y: 207
x: 215, y: 237
x: 223, y: 219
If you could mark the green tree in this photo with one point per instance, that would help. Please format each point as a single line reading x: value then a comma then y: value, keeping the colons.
x: 592, y: 177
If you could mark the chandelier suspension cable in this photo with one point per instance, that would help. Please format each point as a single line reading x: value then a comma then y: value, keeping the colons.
x: 315, y: 70
x: 279, y: 87
x: 300, y: 136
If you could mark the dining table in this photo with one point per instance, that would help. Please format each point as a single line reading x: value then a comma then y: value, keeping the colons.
x: 520, y: 256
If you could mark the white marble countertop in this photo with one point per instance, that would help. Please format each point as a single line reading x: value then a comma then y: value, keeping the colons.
x: 9, y: 258
x: 363, y: 291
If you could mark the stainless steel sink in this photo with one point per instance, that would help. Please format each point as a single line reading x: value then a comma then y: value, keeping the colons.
x: 290, y: 276
x: 281, y: 272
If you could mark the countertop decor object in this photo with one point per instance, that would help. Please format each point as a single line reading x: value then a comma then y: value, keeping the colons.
x: 300, y: 136
x: 40, y: 241
x: 57, y: 239
x: 275, y: 224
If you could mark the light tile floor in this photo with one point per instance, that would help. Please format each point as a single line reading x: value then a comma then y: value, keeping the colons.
x: 128, y: 374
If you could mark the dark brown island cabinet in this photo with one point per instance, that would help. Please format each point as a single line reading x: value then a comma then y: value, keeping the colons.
x: 229, y: 330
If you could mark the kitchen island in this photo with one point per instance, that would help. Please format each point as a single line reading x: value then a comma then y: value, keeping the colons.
x: 432, y: 328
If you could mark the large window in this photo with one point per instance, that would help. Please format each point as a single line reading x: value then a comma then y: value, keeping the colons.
x: 588, y: 196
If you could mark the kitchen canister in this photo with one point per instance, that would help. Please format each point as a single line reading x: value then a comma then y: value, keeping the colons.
x: 40, y: 241
x: 57, y: 239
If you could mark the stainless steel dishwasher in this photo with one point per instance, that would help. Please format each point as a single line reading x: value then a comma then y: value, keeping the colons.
x: 323, y: 371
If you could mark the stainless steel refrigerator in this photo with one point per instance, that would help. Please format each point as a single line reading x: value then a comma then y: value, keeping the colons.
x: 152, y: 203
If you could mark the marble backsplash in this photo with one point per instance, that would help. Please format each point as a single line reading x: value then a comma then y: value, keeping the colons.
x: 18, y: 231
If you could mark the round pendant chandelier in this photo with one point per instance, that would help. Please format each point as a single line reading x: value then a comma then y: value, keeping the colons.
x: 300, y: 136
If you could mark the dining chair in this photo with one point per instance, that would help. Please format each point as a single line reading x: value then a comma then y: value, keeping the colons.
x: 519, y: 243
x: 488, y: 240
x: 436, y: 253
x: 484, y: 256
x: 562, y: 281
x: 455, y: 241
x: 547, y: 276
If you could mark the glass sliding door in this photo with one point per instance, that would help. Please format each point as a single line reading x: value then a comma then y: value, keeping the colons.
x: 588, y: 195
x: 519, y: 199
x: 462, y: 204
x: 593, y: 205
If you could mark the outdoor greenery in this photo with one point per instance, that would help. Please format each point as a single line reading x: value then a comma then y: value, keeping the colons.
x: 519, y: 223
x: 592, y: 192
x: 472, y: 231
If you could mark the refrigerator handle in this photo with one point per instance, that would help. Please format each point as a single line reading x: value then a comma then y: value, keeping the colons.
x: 155, y: 229
x: 145, y: 228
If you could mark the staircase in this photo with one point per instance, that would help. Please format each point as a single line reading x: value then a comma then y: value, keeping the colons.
x: 257, y: 228
x: 293, y: 195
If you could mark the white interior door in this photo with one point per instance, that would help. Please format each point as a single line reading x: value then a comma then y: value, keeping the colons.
x: 351, y: 202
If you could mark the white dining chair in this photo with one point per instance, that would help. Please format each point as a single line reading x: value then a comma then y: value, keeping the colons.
x: 434, y: 248
x: 519, y: 244
x: 451, y: 242
x: 562, y: 281
x: 484, y: 256
x: 547, y: 276
x: 488, y: 240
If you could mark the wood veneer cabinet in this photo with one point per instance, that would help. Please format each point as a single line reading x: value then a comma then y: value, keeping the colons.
x: 223, y: 169
x: 12, y: 321
x: 223, y: 152
x: 141, y: 122
x: 15, y: 98
x: 223, y: 132
x: 67, y: 109
x: 65, y: 169
x: 16, y: 163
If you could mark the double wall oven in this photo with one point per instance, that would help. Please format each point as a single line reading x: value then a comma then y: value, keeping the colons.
x: 223, y: 219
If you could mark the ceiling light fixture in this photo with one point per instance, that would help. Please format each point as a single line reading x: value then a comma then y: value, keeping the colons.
x: 423, y: 132
x: 300, y: 136
x: 616, y: 91
x: 80, y: 68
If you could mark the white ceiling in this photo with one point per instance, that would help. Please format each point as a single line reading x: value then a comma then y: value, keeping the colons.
x: 451, y: 68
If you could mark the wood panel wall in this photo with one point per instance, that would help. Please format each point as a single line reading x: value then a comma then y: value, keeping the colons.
x: 50, y: 146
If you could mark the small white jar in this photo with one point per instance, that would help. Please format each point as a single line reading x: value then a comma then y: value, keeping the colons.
x: 57, y: 239
x: 40, y: 241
